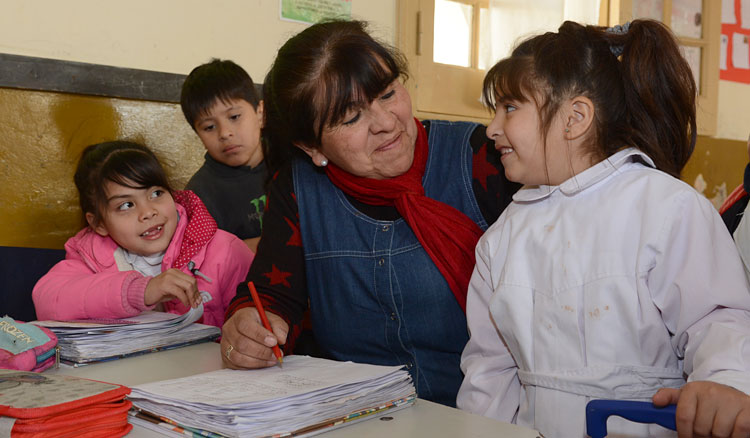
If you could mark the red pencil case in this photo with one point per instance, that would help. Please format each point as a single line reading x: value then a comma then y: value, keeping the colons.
x: 53, y: 406
x: 25, y: 346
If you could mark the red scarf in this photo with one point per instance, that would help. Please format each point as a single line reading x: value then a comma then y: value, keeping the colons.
x: 448, y: 235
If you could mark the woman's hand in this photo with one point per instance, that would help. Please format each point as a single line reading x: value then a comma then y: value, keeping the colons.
x: 708, y: 409
x: 245, y: 343
x: 172, y: 284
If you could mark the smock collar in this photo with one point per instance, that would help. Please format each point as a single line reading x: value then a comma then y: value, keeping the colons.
x: 585, y: 179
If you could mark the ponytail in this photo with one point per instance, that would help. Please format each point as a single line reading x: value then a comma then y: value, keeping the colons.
x: 660, y: 94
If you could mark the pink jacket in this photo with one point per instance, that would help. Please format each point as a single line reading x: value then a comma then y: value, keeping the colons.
x: 90, y: 284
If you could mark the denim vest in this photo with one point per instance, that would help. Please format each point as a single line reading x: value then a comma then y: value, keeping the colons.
x: 375, y: 294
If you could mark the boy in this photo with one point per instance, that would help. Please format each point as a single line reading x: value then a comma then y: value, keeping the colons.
x: 220, y: 103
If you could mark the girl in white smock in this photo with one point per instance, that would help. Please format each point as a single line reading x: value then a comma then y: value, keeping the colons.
x: 607, y: 277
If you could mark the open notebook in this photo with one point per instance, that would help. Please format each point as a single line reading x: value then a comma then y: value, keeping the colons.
x: 95, y: 340
x: 307, y: 396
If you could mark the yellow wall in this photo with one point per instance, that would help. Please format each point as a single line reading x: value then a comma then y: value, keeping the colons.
x: 41, y: 137
x: 716, y: 167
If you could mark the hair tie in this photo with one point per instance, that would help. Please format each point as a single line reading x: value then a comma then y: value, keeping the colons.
x: 618, y: 30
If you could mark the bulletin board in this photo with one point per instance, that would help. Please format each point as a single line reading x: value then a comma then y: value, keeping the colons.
x: 735, y: 41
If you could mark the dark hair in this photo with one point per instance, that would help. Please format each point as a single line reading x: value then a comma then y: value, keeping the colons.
x: 122, y: 162
x: 645, y: 98
x: 218, y: 79
x: 317, y: 76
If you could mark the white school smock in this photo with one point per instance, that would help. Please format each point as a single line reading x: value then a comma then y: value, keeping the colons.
x: 619, y: 281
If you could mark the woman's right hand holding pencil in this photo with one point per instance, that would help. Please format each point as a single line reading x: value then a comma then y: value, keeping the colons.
x: 245, y: 343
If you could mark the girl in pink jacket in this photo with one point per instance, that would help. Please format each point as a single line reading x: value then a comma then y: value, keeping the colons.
x: 145, y: 246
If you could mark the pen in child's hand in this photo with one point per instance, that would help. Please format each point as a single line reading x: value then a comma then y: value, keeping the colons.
x: 191, y: 267
x: 264, y: 319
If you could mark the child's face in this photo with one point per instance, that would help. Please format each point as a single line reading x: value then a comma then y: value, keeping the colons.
x: 231, y: 132
x: 517, y: 133
x: 142, y: 221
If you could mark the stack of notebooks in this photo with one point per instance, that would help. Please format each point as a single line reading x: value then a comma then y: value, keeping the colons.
x: 51, y: 406
x: 95, y: 340
x: 305, y: 397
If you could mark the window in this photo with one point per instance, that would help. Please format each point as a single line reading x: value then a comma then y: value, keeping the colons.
x: 451, y: 43
x: 445, y: 80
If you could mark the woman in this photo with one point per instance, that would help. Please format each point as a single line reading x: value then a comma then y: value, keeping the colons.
x: 372, y: 216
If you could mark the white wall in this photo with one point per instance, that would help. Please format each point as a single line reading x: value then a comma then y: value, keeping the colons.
x: 733, y: 121
x: 162, y: 35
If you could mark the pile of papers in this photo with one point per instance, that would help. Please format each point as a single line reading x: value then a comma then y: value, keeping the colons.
x: 307, y: 396
x: 97, y: 340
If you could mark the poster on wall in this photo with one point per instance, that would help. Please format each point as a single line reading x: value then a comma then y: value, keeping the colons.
x: 735, y: 41
x: 312, y: 11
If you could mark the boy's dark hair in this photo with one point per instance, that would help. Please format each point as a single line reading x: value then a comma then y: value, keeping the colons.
x: 218, y: 79
x: 122, y: 162
x: 317, y: 76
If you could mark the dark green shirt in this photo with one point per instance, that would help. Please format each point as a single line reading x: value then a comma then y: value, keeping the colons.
x: 233, y: 195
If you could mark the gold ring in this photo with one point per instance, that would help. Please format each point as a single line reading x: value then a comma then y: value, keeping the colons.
x: 229, y: 350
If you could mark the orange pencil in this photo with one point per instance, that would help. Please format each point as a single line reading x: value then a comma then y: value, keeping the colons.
x: 264, y: 318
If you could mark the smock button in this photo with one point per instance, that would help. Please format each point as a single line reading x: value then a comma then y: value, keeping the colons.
x: 386, y: 227
x: 381, y: 262
x: 393, y: 316
x: 409, y: 365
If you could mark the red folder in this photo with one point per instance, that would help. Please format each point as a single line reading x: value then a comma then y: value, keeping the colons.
x: 54, y: 406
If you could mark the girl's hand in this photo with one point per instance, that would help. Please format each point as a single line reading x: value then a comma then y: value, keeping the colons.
x: 707, y: 409
x: 172, y: 284
x: 248, y: 342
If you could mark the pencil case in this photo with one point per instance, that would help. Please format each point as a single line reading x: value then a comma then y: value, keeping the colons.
x: 35, y: 405
x: 597, y: 412
x: 25, y: 346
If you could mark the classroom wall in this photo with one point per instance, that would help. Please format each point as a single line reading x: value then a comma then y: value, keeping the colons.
x: 716, y: 167
x: 43, y: 132
x: 41, y: 137
x: 718, y: 163
x: 164, y: 35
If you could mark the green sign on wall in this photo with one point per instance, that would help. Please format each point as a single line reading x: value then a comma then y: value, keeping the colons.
x: 312, y: 11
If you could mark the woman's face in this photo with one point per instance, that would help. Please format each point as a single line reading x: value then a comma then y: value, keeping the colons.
x: 375, y: 140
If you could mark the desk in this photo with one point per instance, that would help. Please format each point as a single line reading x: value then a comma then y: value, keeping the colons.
x: 424, y: 419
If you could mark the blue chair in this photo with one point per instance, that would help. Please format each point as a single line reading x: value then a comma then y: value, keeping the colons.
x: 597, y: 412
x: 20, y: 268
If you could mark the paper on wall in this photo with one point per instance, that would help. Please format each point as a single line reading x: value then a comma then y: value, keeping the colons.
x: 740, y: 51
x: 744, y: 14
x: 727, y: 12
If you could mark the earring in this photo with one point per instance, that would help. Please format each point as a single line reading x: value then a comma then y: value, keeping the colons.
x: 567, y: 130
x: 323, y: 162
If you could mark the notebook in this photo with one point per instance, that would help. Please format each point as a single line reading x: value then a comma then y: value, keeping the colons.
x: 304, y: 397
x: 95, y: 340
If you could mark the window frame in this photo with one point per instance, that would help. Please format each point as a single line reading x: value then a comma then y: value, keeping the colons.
x: 452, y: 92
x: 439, y: 90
